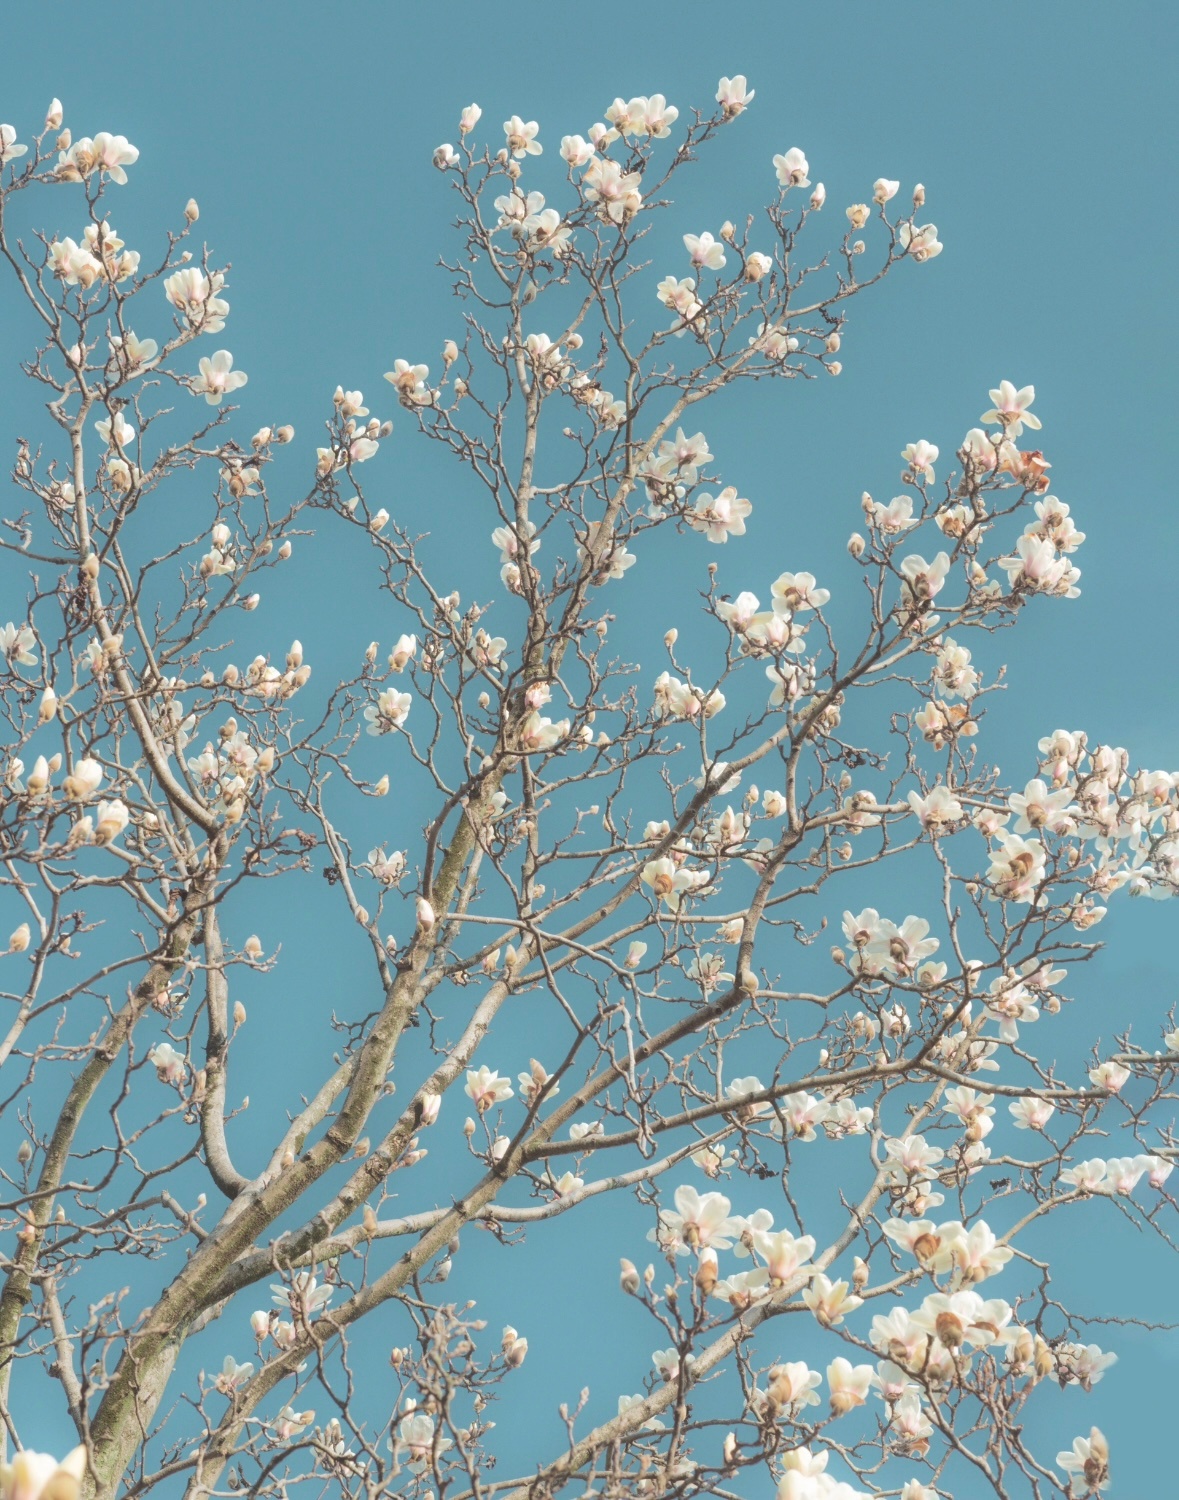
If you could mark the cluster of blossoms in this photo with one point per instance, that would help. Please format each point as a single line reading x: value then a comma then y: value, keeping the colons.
x: 924, y: 1351
x: 928, y: 1341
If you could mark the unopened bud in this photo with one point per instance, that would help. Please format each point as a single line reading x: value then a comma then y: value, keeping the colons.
x: 191, y: 211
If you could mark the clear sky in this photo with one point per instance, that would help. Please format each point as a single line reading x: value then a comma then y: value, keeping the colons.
x: 1044, y: 138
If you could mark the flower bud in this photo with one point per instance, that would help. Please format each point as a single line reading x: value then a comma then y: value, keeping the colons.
x: 20, y: 939
x: 48, y: 706
x: 628, y: 1278
x: 856, y: 544
x: 239, y: 1013
x: 191, y: 211
x: 54, y: 114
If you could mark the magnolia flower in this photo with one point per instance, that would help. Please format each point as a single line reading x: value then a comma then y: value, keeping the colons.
x: 1109, y: 1076
x: 698, y: 1221
x: 39, y: 1476
x: 73, y: 264
x: 1088, y: 1459
x: 1010, y: 410
x: 722, y: 517
x: 418, y: 1441
x: 614, y: 191
x: 626, y: 1402
x: 536, y: 1081
x: 232, y: 1375
x: 883, y: 189
x: 110, y: 820
x: 792, y: 1385
x: 521, y: 137
x: 703, y: 250
x: 921, y: 457
x: 469, y: 118
x: 486, y: 1088
x: 169, y: 1064
x: 920, y: 241
x: 1030, y: 1113
x: 792, y: 168
x: 849, y: 1384
x: 389, y: 712
x: 937, y: 811
x: 953, y: 675
x: 1087, y: 1176
x: 194, y: 294
x: 218, y: 378
x: 783, y: 1253
x: 410, y: 382
x: 1016, y: 868
x: 793, y: 592
x: 923, y: 580
x: 668, y: 881
x: 403, y: 652
x: 733, y: 95
x: 576, y: 151
x: 830, y: 1301
x: 388, y: 869
x: 83, y: 781
x: 539, y: 734
x: 963, y: 1317
x: 10, y: 149
x: 17, y: 644
x: 115, y: 431
x: 132, y: 351
x: 1036, y: 568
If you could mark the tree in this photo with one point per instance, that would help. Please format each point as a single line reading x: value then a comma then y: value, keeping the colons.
x: 592, y: 840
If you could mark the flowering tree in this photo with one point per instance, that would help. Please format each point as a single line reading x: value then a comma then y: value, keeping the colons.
x: 648, y: 855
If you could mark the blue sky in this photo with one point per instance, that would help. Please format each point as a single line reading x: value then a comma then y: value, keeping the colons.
x: 1039, y: 130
